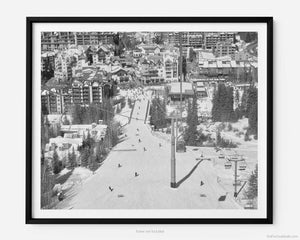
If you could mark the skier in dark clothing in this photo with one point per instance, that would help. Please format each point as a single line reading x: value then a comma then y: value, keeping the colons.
x: 60, y: 196
x: 110, y: 188
x: 136, y: 174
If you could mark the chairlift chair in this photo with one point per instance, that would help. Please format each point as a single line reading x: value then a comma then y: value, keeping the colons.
x: 242, y: 166
x: 227, y: 165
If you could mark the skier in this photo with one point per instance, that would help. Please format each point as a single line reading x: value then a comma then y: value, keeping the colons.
x: 145, y: 149
x: 140, y: 140
x: 136, y: 174
x: 60, y: 196
x: 119, y: 165
x: 201, y: 183
x: 110, y: 188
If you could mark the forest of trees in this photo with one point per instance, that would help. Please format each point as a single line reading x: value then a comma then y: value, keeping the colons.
x: 191, y: 135
x: 158, y: 113
x: 248, y: 108
x: 251, y: 109
x: 184, y: 68
x: 122, y: 41
x: 91, y: 154
x: 47, y: 183
x: 248, y: 36
x: 48, y: 131
x: 251, y: 192
x: 222, y: 110
x: 93, y: 112
x: 47, y: 74
x: 158, y: 38
x: 248, y: 75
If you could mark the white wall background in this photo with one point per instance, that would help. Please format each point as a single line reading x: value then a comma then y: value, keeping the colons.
x: 286, y: 116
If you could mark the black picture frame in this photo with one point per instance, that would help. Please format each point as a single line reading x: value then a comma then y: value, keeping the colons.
x: 29, y: 119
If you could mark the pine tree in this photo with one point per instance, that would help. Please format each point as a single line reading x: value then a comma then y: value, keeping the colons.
x: 158, y: 39
x: 115, y: 132
x: 184, y: 66
x: 56, y: 164
x: 44, y: 110
x: 243, y: 106
x: 222, y: 110
x: 47, y: 183
x: 93, y: 113
x: 72, y: 159
x: 85, y: 154
x: 253, y: 119
x: 100, y: 151
x: 44, y: 131
x: 89, y: 141
x: 229, y: 105
x: 86, y: 115
x: 246, y: 137
x: 77, y: 114
x: 66, y: 121
x: 251, y: 99
x: 158, y: 113
x: 218, y: 139
x: 252, y: 189
x: 248, y: 37
x: 107, y: 110
x: 93, y: 165
x: 191, y: 134
x: 215, y: 112
x: 237, y: 97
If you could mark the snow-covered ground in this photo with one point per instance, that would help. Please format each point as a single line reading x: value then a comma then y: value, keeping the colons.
x: 236, y: 134
x: 123, y: 116
x: 142, y: 180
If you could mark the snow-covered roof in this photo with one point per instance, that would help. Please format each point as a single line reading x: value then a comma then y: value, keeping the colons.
x: 61, y: 140
x: 187, y: 88
x: 199, y: 84
x: 206, y: 55
x: 200, y: 89
x: 48, y: 54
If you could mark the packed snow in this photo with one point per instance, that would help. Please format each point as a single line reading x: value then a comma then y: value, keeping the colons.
x: 136, y: 174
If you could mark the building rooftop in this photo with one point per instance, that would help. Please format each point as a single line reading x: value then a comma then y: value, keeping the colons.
x: 187, y: 88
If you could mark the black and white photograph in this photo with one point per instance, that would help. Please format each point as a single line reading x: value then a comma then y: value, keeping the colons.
x: 127, y: 116
x: 130, y: 120
x: 162, y: 117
